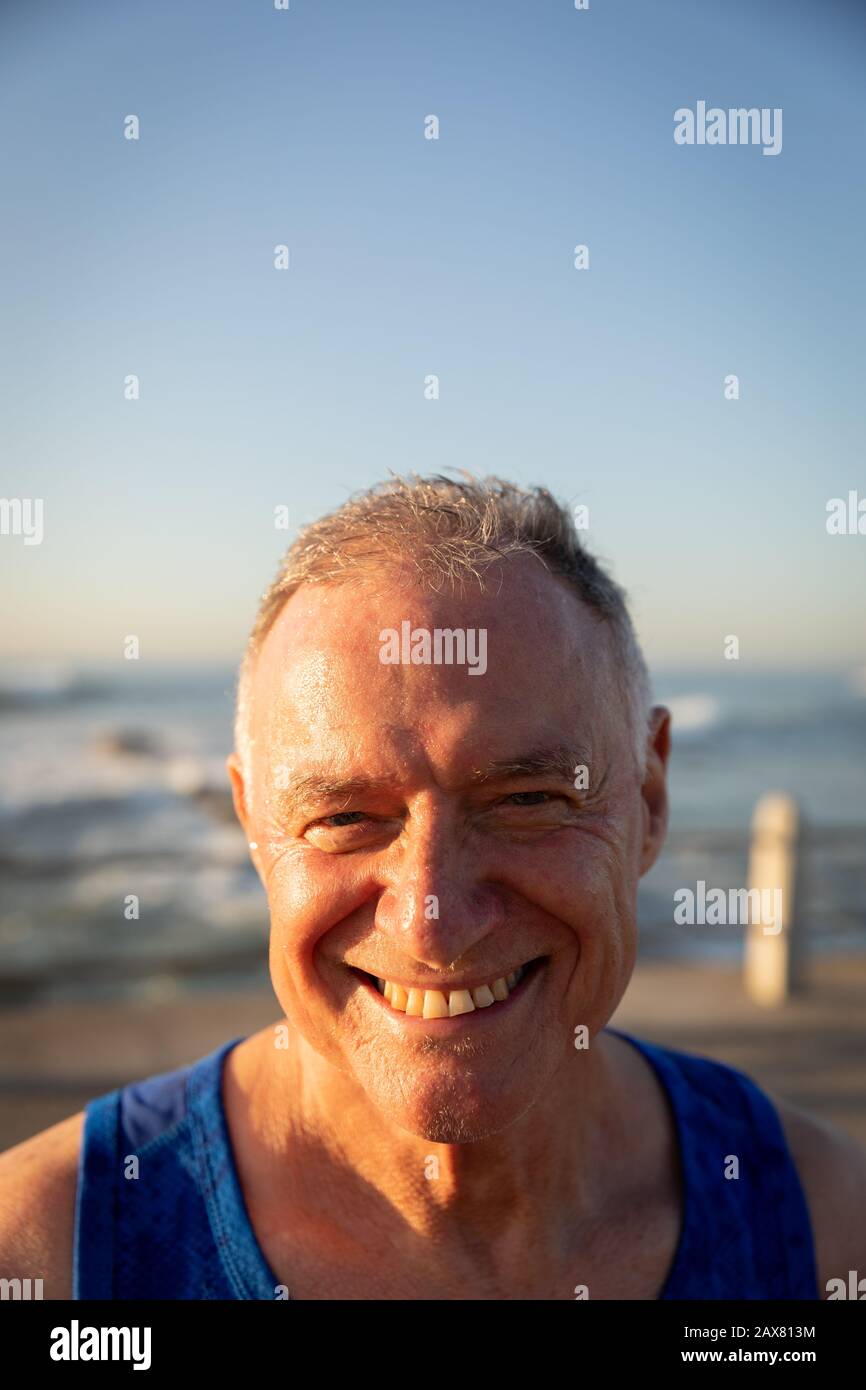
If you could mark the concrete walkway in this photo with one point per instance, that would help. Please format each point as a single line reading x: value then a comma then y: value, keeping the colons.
x: 812, y: 1051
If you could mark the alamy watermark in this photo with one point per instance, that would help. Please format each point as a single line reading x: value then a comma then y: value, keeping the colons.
x: 719, y: 907
x: 77, y: 1343
x: 846, y: 516
x: 23, y: 1289
x: 737, y: 126
x: 22, y: 516
x: 443, y: 646
x: 854, y: 1288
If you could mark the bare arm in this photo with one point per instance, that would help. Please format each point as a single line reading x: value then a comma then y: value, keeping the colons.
x: 832, y: 1169
x: 38, y: 1185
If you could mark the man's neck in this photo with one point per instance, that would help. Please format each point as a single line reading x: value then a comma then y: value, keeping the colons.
x: 310, y: 1136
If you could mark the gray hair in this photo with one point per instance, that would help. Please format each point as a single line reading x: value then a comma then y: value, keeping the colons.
x: 448, y: 531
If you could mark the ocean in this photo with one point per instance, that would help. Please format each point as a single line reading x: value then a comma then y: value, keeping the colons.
x: 114, y: 785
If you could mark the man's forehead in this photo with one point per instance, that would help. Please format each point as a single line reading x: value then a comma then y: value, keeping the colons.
x: 329, y: 715
x: 323, y: 706
x: 530, y: 620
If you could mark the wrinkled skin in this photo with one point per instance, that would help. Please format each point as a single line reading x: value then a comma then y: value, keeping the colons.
x: 521, y: 867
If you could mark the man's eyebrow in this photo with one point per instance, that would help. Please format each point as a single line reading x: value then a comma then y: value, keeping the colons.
x: 559, y: 761
x: 308, y: 791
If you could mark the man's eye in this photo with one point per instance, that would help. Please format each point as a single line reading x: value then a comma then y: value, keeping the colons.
x: 529, y: 798
x: 345, y: 831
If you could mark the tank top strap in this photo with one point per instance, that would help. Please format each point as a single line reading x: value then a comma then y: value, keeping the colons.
x: 93, y: 1242
x: 159, y: 1207
x: 240, y: 1254
x: 746, y: 1230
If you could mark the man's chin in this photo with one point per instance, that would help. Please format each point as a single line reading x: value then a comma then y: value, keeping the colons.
x: 453, y: 1110
x: 456, y: 1124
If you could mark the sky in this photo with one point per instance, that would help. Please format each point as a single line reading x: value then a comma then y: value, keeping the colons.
x: 263, y: 388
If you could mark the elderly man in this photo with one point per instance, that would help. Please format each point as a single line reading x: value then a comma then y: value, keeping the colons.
x: 451, y: 857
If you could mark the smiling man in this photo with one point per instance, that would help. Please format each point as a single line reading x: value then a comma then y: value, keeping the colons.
x: 451, y: 859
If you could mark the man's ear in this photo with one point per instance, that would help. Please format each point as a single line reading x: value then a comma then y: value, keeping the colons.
x: 654, y: 790
x: 241, y: 799
x: 239, y: 791
x: 242, y: 808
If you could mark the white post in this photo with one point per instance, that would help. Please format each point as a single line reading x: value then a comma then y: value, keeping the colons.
x: 772, y: 948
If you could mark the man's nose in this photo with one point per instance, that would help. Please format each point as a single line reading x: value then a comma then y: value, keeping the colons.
x: 437, y: 905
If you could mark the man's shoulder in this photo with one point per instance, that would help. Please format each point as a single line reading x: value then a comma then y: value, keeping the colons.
x: 38, y: 1184
x: 832, y: 1170
x: 831, y: 1166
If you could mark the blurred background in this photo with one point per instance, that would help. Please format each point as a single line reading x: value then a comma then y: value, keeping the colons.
x: 262, y: 389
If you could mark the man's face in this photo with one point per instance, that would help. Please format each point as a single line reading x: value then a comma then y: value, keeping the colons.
x: 398, y: 838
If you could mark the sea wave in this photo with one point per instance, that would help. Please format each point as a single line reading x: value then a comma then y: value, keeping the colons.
x: 48, y: 687
x: 694, y: 714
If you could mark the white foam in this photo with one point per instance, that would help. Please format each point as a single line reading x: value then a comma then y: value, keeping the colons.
x: 693, y: 713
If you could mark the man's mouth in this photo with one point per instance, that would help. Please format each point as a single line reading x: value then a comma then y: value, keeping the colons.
x: 418, y: 1002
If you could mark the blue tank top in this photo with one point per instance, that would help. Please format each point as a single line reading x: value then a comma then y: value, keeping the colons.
x: 180, y: 1229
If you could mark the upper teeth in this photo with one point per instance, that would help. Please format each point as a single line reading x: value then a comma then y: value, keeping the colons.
x: 438, y: 1003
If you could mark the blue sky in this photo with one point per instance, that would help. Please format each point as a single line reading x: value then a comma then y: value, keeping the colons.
x: 410, y: 257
